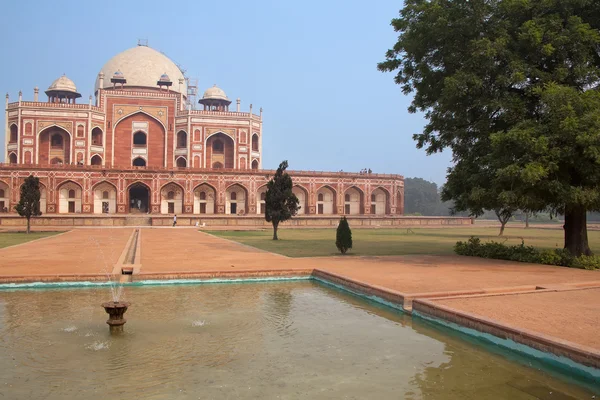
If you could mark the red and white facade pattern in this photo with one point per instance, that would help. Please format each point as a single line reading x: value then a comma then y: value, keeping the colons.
x: 141, y: 150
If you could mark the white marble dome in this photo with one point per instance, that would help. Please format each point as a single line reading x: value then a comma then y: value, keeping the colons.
x: 63, y: 84
x: 142, y: 66
x: 215, y: 92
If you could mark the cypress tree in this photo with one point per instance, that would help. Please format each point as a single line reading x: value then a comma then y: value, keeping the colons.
x: 343, y: 237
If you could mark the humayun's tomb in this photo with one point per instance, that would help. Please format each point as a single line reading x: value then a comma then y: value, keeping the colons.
x: 141, y: 147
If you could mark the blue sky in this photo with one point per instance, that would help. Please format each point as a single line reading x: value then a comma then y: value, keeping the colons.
x: 311, y: 65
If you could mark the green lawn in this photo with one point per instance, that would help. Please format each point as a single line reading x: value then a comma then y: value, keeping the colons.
x: 12, y: 238
x: 386, y: 242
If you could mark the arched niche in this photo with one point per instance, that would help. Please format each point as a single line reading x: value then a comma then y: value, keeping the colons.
x: 236, y: 197
x: 171, y: 199
x: 325, y: 201
x: 204, y: 199
x: 69, y: 198
x: 105, y: 198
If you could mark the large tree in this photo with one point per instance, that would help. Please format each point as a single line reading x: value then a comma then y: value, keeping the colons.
x: 29, y: 203
x: 511, y: 87
x: 281, y: 203
x: 420, y: 196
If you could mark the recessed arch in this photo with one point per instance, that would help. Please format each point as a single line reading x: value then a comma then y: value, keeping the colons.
x: 97, y: 136
x: 140, y: 139
x: 255, y: 164
x: 181, y: 140
x: 12, y: 158
x: 302, y: 194
x: 261, y: 193
x: 5, y: 205
x: 45, y: 149
x: 171, y: 198
x: 204, y: 198
x: 236, y: 204
x: 105, y: 197
x: 326, y: 200
x: 254, y: 142
x: 181, y: 162
x: 139, y: 162
x: 380, y: 201
x: 139, y: 112
x: 69, y: 197
x: 14, y: 133
x: 353, y: 201
x: 220, y: 148
x: 138, y: 197
x: 96, y: 160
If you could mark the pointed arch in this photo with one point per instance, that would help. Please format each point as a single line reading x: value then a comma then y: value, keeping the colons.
x: 14, y: 133
x: 181, y: 162
x: 354, y: 201
x: 219, y: 147
x: 302, y: 194
x: 326, y: 200
x: 105, y: 197
x: 236, y: 204
x: 97, y: 136
x: 255, y: 164
x: 138, y: 112
x: 138, y: 197
x: 46, y: 151
x: 69, y: 197
x: 380, y: 200
x: 205, y: 196
x: 12, y: 158
x: 5, y: 205
x: 261, y: 206
x: 139, y: 161
x: 96, y: 160
x: 171, y: 198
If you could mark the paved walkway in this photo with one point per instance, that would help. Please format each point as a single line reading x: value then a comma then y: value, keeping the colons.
x: 572, y: 315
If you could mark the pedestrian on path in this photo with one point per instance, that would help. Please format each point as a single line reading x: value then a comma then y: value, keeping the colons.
x: 175, y: 220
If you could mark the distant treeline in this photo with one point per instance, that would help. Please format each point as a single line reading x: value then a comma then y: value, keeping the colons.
x: 422, y: 197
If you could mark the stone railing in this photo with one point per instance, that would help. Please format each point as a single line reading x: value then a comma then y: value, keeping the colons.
x: 40, y: 104
x: 268, y: 172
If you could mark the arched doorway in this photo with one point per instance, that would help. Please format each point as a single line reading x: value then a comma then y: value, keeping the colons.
x: 96, y: 137
x: 302, y: 197
x: 204, y: 199
x: 181, y: 162
x: 139, y: 198
x: 12, y: 158
x: 261, y: 196
x: 54, y: 144
x: 235, y: 200
x: 69, y: 198
x: 325, y: 201
x: 379, y: 202
x: 105, y: 199
x: 220, y: 149
x: 171, y: 199
x: 353, y: 201
x: 254, y: 164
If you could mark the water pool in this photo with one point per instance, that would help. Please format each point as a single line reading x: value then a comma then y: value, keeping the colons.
x: 263, y: 340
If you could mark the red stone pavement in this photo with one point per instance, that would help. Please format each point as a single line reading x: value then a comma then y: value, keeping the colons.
x: 571, y: 315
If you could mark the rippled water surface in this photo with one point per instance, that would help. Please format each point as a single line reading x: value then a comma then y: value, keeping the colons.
x: 241, y: 341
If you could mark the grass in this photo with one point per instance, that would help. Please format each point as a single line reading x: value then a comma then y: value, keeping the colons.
x: 13, y: 238
x: 387, y: 242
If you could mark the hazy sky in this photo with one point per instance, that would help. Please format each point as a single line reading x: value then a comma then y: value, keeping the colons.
x: 311, y: 65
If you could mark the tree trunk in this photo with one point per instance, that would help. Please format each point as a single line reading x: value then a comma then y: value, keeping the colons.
x: 275, y: 224
x: 28, y: 225
x: 526, y: 220
x: 502, y: 225
x: 576, y: 239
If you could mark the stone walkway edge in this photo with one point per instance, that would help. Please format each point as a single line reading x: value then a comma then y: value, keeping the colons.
x: 422, y: 304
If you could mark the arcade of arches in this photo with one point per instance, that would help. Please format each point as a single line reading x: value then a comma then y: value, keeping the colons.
x: 167, y: 197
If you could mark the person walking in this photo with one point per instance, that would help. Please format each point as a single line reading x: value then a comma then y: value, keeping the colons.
x: 175, y: 220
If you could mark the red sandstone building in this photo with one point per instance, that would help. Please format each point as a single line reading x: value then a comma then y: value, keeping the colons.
x: 142, y: 147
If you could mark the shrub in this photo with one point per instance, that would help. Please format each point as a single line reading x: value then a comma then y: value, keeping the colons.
x: 499, y: 251
x: 343, y: 236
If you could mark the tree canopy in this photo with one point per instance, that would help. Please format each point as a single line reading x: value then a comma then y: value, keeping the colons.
x: 281, y: 203
x: 511, y: 87
x: 29, y: 203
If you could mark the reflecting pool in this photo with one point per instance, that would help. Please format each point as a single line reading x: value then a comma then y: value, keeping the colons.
x: 283, y: 340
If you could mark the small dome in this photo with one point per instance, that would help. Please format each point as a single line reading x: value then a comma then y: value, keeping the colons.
x: 118, y: 75
x: 215, y: 93
x: 164, y: 78
x: 63, y: 84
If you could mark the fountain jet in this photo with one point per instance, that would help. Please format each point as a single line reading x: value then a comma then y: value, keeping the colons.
x: 115, y: 310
